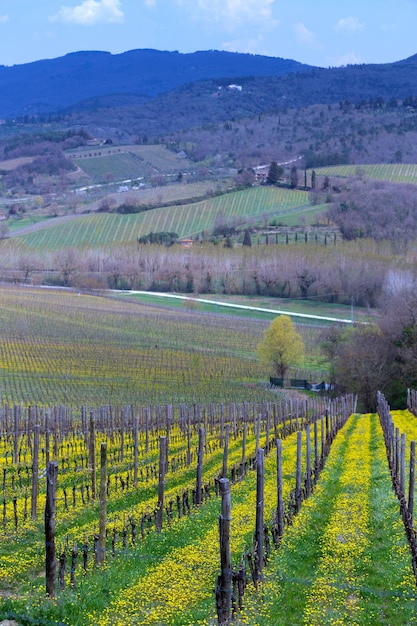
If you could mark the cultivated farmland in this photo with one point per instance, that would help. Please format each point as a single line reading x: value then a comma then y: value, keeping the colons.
x: 107, y: 163
x: 391, y: 172
x: 64, y: 348
x: 343, y: 559
x: 255, y: 204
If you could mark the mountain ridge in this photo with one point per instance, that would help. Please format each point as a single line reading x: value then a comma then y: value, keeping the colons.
x: 48, y: 85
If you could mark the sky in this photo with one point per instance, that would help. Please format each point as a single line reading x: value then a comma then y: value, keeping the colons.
x: 317, y: 32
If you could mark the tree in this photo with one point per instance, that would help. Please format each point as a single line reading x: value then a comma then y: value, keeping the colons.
x: 282, y: 345
x: 294, y: 178
x: 364, y: 364
x: 247, y: 241
x: 274, y: 173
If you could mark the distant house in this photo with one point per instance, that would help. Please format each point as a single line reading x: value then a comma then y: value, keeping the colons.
x: 235, y: 87
x: 186, y: 243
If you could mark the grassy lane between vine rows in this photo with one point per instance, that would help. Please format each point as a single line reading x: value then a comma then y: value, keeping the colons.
x: 345, y: 560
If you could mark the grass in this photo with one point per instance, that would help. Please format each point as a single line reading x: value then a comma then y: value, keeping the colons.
x: 130, y: 589
x: 313, y: 307
x: 391, y: 172
x: 345, y: 560
x: 155, y: 156
x: 114, y: 167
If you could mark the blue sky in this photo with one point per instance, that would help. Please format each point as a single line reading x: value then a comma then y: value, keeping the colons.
x: 318, y: 32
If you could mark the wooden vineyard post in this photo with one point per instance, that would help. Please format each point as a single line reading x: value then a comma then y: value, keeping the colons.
x: 47, y: 439
x: 402, y: 464
x: 308, y: 462
x: 316, y: 452
x: 242, y: 467
x: 135, y: 451
x: 50, y: 554
x: 188, y: 439
x: 259, y: 527
x: 224, y: 581
x: 257, y: 425
x: 226, y: 451
x: 92, y: 455
x: 16, y: 434
x: 101, y: 559
x: 35, y: 470
x: 298, y: 471
x: 161, y: 483
x: 280, y: 499
x: 397, y: 452
x: 267, y: 433
x: 146, y: 431
x: 122, y: 435
x: 198, y: 490
x: 411, y: 482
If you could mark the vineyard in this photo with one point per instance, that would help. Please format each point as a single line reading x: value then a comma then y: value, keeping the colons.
x: 114, y: 167
x: 154, y: 156
x: 185, y: 220
x: 391, y: 172
x: 121, y: 443
x: 61, y: 347
x: 146, y: 550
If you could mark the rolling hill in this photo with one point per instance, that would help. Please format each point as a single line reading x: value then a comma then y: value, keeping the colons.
x: 48, y: 85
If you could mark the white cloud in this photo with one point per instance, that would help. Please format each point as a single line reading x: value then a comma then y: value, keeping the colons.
x: 347, y: 59
x: 4, y: 19
x: 150, y: 3
x: 349, y: 24
x: 305, y: 36
x: 90, y: 12
x: 251, y: 45
x: 236, y: 10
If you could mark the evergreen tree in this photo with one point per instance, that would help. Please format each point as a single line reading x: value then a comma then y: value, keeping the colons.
x: 247, y: 241
x: 294, y: 178
x: 274, y: 173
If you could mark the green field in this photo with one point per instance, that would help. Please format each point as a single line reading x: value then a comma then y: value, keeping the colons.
x: 123, y: 162
x: 187, y: 220
x: 391, y: 172
x: 114, y: 167
x: 308, y: 307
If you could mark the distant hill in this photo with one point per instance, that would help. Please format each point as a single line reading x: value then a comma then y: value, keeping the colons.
x: 49, y: 85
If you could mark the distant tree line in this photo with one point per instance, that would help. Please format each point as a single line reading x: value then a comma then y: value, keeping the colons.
x: 362, y: 271
x: 380, y: 356
x: 381, y: 210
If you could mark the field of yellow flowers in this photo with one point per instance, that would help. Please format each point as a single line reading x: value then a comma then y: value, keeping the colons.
x: 149, y: 577
x: 343, y: 560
